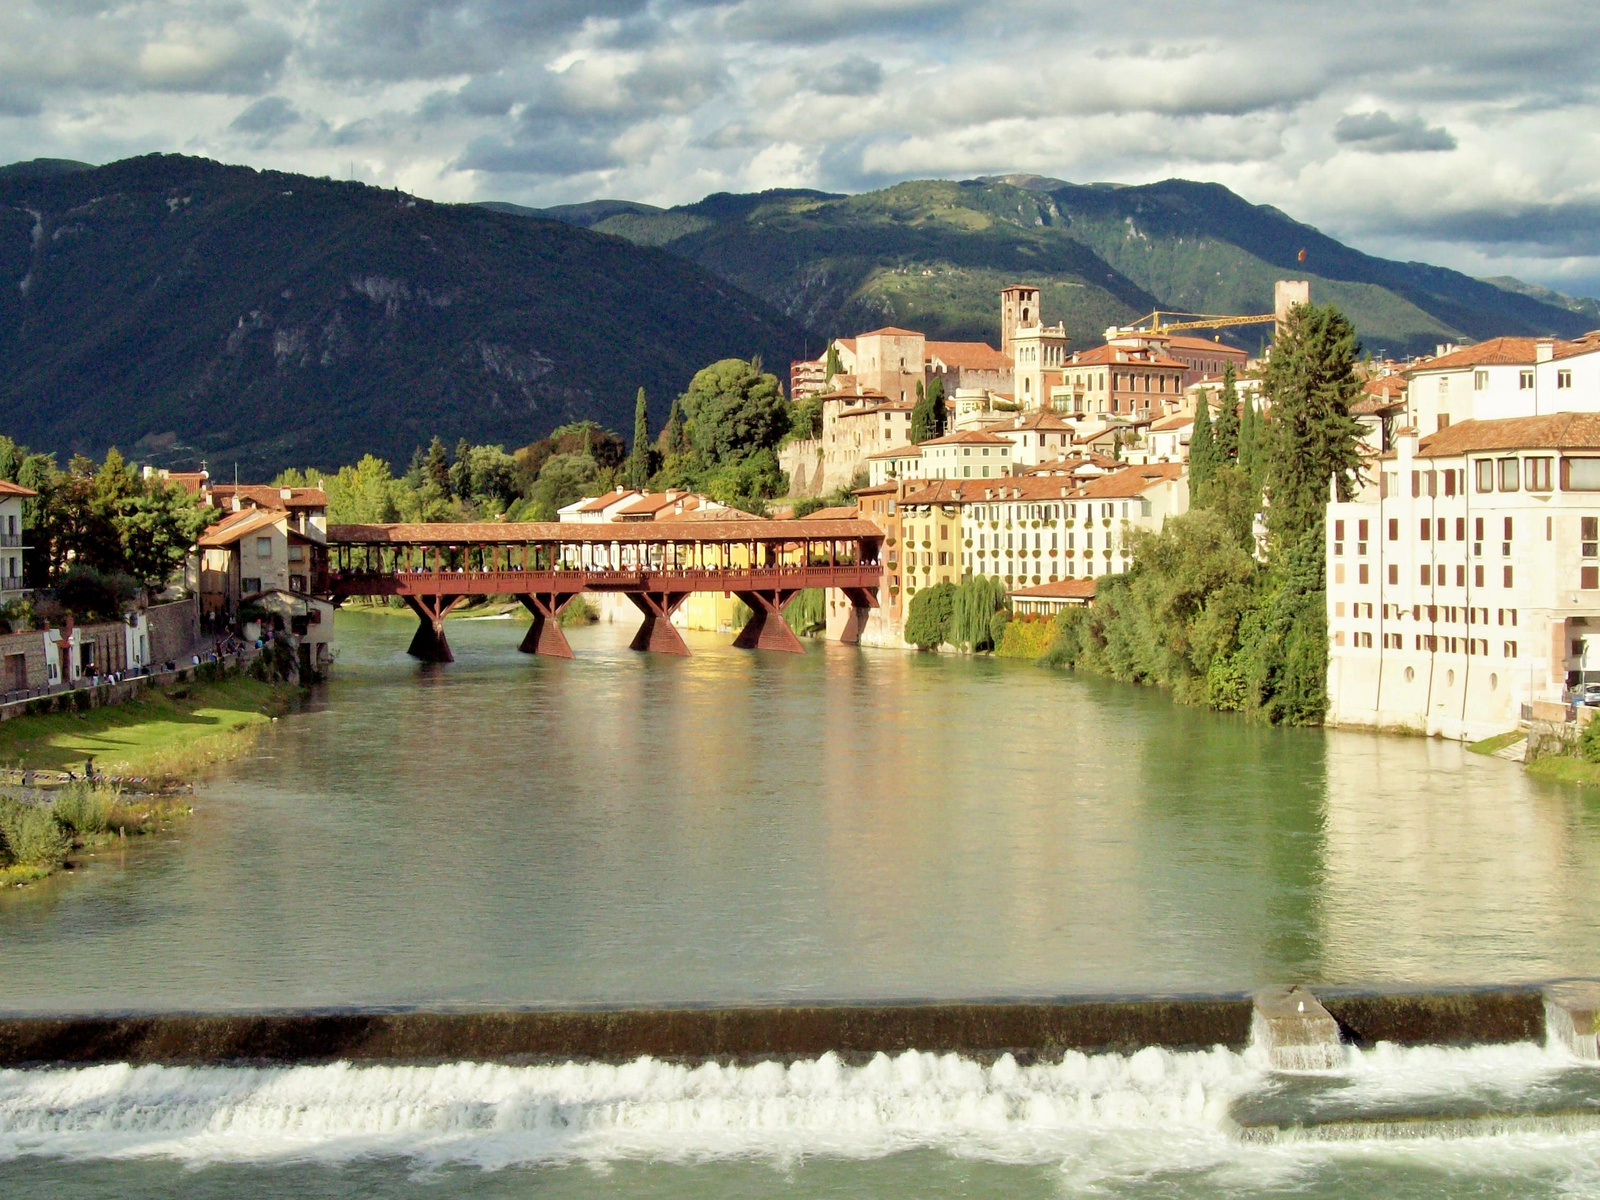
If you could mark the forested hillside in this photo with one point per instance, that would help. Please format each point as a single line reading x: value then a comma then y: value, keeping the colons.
x: 933, y: 254
x: 182, y: 309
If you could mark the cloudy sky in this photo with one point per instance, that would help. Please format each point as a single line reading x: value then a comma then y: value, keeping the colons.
x: 1463, y: 133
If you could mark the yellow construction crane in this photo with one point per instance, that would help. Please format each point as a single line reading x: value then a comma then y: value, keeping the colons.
x: 1194, y: 321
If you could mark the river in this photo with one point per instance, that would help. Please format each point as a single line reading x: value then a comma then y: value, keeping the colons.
x: 846, y: 824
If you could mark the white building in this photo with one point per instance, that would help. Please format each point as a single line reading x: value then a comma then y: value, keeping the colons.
x: 1464, y: 581
x: 1038, y: 529
x: 1505, y: 377
x: 969, y: 454
x: 12, y: 546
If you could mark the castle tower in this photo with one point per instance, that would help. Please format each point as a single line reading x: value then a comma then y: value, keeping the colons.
x: 1019, y: 307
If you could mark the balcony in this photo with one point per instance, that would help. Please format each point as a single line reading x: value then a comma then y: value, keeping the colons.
x: 12, y: 541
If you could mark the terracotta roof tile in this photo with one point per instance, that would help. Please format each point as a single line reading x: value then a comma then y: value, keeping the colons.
x: 1558, y: 431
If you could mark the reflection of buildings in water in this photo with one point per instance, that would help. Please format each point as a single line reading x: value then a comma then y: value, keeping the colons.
x: 1443, y: 867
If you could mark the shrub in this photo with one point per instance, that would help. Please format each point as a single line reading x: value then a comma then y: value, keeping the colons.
x: 1589, y: 742
x: 1025, y: 638
x: 928, y: 621
x: 977, y: 601
x: 32, y: 836
x: 85, y: 808
x: 578, y: 612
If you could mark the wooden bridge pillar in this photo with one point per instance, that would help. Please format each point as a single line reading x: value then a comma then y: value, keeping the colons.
x: 862, y: 602
x: 429, y: 644
x: 656, y: 632
x: 544, y: 636
x: 766, y: 629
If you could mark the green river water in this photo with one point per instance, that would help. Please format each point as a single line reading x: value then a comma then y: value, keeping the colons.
x: 847, y: 824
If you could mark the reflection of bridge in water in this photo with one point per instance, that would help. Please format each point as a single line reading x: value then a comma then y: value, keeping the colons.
x: 657, y: 565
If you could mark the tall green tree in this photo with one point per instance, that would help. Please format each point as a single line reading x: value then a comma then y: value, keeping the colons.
x: 733, y: 410
x: 1310, y: 382
x: 362, y: 494
x: 1226, y: 434
x: 831, y: 363
x: 1202, y: 451
x: 636, y: 472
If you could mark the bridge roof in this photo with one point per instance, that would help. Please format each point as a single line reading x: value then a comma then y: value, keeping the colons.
x: 520, y: 533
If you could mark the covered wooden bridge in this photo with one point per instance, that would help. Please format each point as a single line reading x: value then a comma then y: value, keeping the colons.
x: 657, y: 565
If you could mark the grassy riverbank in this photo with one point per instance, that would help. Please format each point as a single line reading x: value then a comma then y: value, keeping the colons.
x: 41, y: 835
x: 166, y: 736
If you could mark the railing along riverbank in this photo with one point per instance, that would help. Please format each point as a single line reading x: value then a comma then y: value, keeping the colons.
x: 101, y: 691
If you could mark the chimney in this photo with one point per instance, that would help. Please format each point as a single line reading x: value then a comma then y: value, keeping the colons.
x: 285, y: 493
x: 1544, y: 350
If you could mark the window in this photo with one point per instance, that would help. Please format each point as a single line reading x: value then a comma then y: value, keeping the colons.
x: 1511, y: 649
x: 1485, y: 468
x: 1477, y: 576
x: 1394, y: 575
x: 297, y: 553
x: 1361, y: 573
x: 1425, y: 529
x: 1563, y: 379
x: 1440, y: 534
x: 1392, y: 641
x: 1591, y: 537
x: 1480, y: 381
x: 1364, y: 641
x: 263, y: 547
x: 1427, y: 575
x: 1589, y: 578
x: 249, y: 586
x: 1461, y: 529
x: 1525, y: 380
x: 1449, y: 480
x: 1506, y: 572
x: 1537, y: 473
x: 1508, y: 474
x: 1461, y: 575
x: 1394, y: 529
x: 1362, y: 528
x: 1580, y: 474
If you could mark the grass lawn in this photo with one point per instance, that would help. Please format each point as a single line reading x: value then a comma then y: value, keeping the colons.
x: 1498, y: 742
x: 167, y: 735
x: 1561, y: 769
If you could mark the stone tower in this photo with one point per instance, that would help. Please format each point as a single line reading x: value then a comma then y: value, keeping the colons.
x: 1019, y: 306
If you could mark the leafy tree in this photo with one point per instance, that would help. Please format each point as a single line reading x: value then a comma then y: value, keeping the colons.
x: 158, y: 528
x: 928, y: 619
x: 362, y: 494
x: 637, y: 472
x: 746, y: 484
x: 806, y: 418
x: 1202, y: 452
x: 563, y: 479
x: 732, y: 410
x: 1226, y: 434
x: 1311, y: 382
x: 977, y: 601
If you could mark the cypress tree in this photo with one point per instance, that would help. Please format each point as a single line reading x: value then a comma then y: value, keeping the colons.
x: 637, y: 471
x: 923, y: 421
x: 1226, y: 435
x: 1202, y: 451
x: 675, y: 435
x: 1250, y: 442
x: 936, y: 404
x: 1311, y: 382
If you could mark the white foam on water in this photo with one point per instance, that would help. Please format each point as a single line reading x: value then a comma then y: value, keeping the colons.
x: 1101, y: 1117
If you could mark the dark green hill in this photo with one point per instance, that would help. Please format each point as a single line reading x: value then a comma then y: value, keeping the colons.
x: 179, y: 309
x: 933, y: 255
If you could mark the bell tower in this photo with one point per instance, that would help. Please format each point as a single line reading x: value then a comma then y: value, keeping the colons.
x: 1019, y: 307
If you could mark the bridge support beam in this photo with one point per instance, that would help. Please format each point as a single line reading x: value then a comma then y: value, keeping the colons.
x: 430, y: 644
x: 862, y: 602
x: 656, y: 632
x: 766, y: 629
x: 544, y: 636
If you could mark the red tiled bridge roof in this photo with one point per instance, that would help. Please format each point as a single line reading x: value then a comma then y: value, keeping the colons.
x: 525, y: 532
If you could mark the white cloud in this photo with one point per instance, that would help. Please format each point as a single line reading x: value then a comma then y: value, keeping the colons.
x: 1344, y: 116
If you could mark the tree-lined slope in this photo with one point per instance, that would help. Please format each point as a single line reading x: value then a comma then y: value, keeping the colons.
x: 182, y: 309
x: 933, y: 254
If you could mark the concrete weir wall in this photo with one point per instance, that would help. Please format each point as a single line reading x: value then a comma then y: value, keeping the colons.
x: 1027, y: 1029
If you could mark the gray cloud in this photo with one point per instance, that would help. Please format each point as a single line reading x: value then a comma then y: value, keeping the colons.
x: 855, y: 75
x: 1379, y: 133
x: 266, y: 116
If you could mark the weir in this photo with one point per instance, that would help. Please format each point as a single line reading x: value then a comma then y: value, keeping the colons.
x: 984, y: 1030
x: 657, y: 565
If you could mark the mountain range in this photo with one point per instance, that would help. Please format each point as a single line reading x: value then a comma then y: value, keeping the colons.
x: 186, y: 310
x: 932, y: 255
